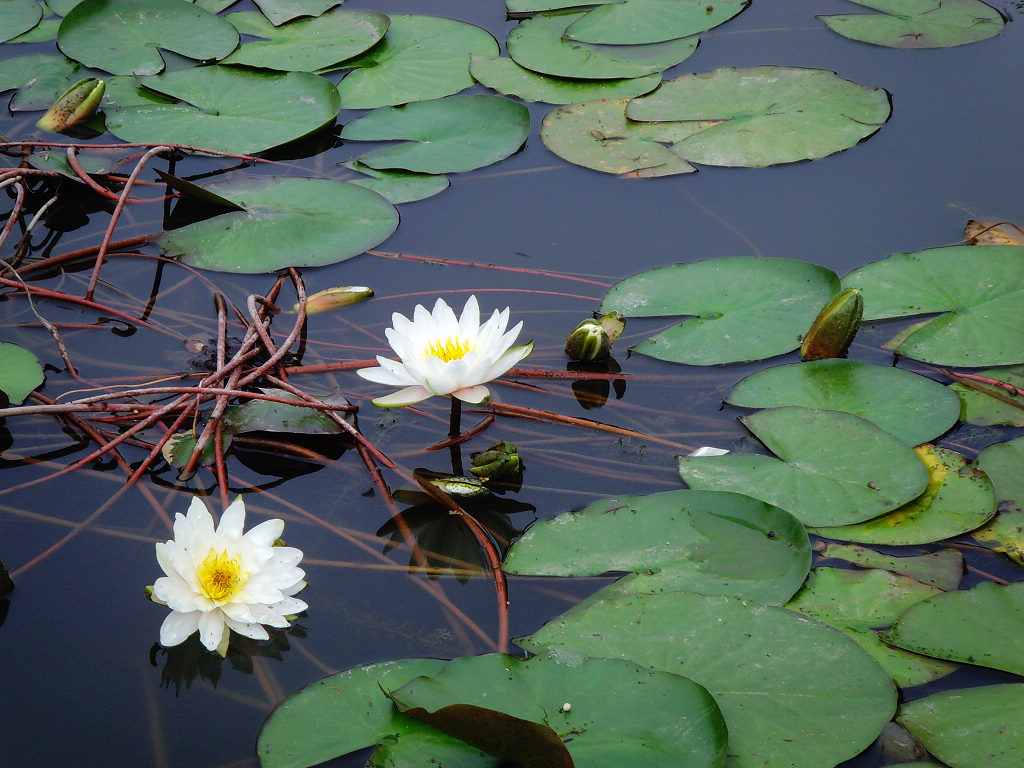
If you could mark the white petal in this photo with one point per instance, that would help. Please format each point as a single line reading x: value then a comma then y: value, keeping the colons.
x: 445, y: 322
x: 177, y: 595
x: 232, y: 522
x: 390, y: 373
x: 469, y: 321
x: 708, y: 450
x: 238, y: 612
x: 177, y: 627
x: 211, y: 629
x: 407, y: 396
x: 507, y: 360
x: 255, y: 631
x: 289, y: 606
x: 474, y: 395
x: 266, y: 533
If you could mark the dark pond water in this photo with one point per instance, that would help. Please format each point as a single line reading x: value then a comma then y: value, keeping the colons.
x: 82, y: 684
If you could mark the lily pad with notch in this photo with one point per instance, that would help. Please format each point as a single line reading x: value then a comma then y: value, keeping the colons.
x: 18, y: 17
x: 502, y: 74
x: 20, y: 372
x: 449, y: 135
x: 1002, y: 462
x: 398, y: 186
x: 699, y: 541
x: 221, y: 108
x: 977, y: 292
x: 141, y: 28
x: 914, y: 408
x: 286, y: 222
x: 744, y: 308
x: 306, y: 45
x: 833, y: 468
x: 280, y: 11
x: 635, y: 22
x: 765, y: 115
x: 420, y: 58
x: 539, y: 44
x: 918, y: 23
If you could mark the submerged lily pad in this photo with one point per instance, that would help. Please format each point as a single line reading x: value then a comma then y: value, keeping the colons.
x: 766, y: 115
x: 980, y: 290
x: 141, y: 28
x: 913, y: 408
x: 754, y: 659
x: 969, y: 725
x: 265, y: 416
x: 505, y: 76
x: 222, y: 108
x: 633, y: 22
x: 858, y: 603
x: 420, y: 57
x: 958, y: 499
x: 833, y: 467
x: 523, y: 710
x: 746, y: 308
x: 942, y: 569
x: 449, y: 135
x: 540, y: 44
x: 988, y: 621
x: 41, y: 78
x: 20, y: 372
x: 360, y: 714
x: 286, y: 223
x: 712, y: 543
x: 305, y: 45
x: 596, y: 134
x: 918, y: 23
x: 997, y: 408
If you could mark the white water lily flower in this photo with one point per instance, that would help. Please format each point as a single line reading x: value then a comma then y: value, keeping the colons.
x: 224, y: 579
x: 444, y: 355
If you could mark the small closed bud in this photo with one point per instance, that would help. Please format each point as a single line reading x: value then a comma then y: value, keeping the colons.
x: 588, y: 342
x: 833, y: 330
x: 77, y: 104
x: 335, y: 298
x: 498, y: 462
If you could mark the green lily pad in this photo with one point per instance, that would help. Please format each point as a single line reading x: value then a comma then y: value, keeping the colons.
x: 305, y: 45
x: 1004, y: 464
x: 980, y: 290
x: 281, y: 11
x: 505, y: 76
x: 943, y: 569
x: 596, y: 134
x: 360, y: 715
x: 984, y: 409
x: 539, y: 44
x: 833, y: 467
x: 20, y: 372
x: 398, y: 186
x: 449, y: 135
x: 92, y: 161
x: 970, y: 727
x: 766, y: 115
x: 40, y: 78
x: 958, y: 499
x: 286, y: 223
x: 141, y: 28
x: 634, y: 22
x: 18, y: 17
x: 918, y: 23
x: 988, y: 621
x: 745, y: 308
x: 859, y: 602
x: 758, y: 662
x: 221, y: 108
x: 420, y: 58
x: 265, y: 416
x: 707, y: 542
x: 605, y: 710
x: 913, y: 408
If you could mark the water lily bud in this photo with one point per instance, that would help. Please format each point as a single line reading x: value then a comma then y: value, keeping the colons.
x: 78, y: 104
x: 335, y: 298
x: 834, y: 328
x: 588, y: 341
x: 499, y: 461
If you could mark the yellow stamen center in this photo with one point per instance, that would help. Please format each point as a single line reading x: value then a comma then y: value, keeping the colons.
x: 222, y: 576
x: 451, y: 348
